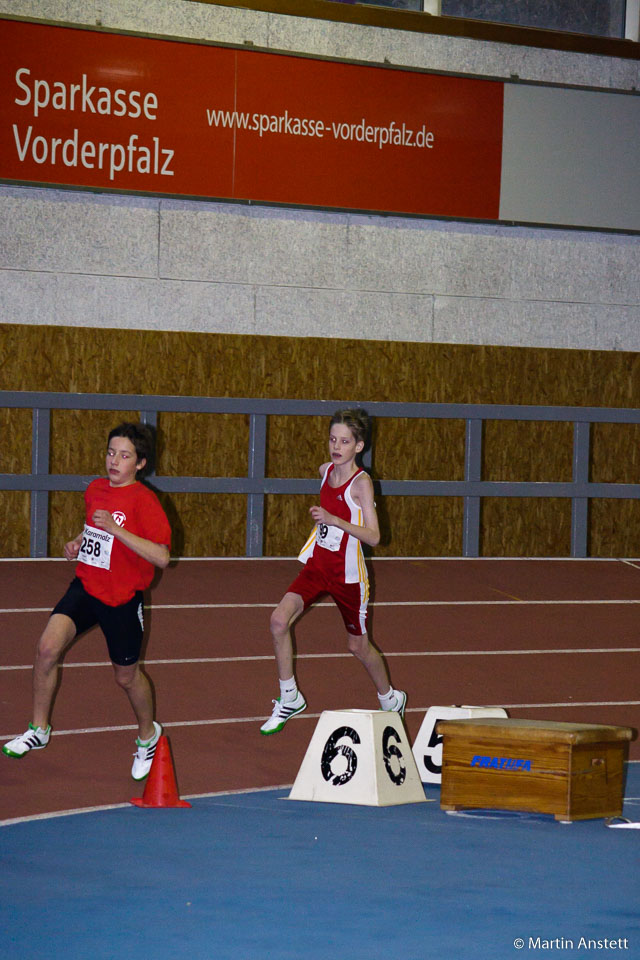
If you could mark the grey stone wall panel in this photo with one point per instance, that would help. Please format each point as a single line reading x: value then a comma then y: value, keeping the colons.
x: 301, y: 312
x: 207, y: 242
x: 237, y: 26
x: 74, y: 257
x: 78, y: 233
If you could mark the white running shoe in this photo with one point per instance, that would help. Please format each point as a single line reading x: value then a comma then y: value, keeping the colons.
x: 283, y: 712
x: 400, y: 703
x: 35, y: 738
x: 143, y: 757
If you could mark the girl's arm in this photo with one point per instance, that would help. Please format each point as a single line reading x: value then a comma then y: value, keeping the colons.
x: 369, y: 533
x: 155, y: 553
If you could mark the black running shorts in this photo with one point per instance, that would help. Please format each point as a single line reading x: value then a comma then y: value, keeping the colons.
x: 123, y: 626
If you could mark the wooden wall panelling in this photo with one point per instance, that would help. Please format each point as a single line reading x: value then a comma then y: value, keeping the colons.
x: 615, y: 458
x: 420, y: 526
x: 408, y: 449
x: 525, y: 527
x: 615, y: 453
x: 15, y: 505
x: 78, y: 439
x: 287, y: 524
x: 66, y: 519
x: 614, y: 528
x: 206, y: 524
x: 157, y: 362
x: 202, y: 444
x: 15, y: 513
x: 296, y: 446
x: 15, y: 441
x: 405, y: 449
x: 85, y: 360
x: 527, y: 450
x: 520, y: 450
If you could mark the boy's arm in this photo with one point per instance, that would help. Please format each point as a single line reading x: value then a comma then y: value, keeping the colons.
x: 369, y: 533
x: 155, y: 553
x: 72, y: 548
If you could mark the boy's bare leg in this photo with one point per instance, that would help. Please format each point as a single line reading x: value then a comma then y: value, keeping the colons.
x: 290, y: 702
x: 371, y: 660
x: 58, y: 633
x: 290, y: 607
x: 138, y: 690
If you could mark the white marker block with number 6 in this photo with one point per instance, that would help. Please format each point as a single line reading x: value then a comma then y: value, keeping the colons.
x: 359, y: 756
x: 427, y: 747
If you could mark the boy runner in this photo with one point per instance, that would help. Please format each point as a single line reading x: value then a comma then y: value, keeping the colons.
x: 126, y: 535
x: 334, y: 564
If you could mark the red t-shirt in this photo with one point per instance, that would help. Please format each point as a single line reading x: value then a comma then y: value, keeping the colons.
x: 137, y: 509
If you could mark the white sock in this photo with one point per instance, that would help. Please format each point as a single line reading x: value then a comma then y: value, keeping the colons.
x: 387, y: 700
x: 288, y: 690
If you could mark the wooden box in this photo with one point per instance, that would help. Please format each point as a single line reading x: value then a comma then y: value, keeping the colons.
x: 571, y: 770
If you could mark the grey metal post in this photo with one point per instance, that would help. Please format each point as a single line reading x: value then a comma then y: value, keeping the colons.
x: 150, y: 419
x: 256, y: 486
x: 40, y: 436
x: 255, y: 501
x: 472, y: 471
x: 580, y: 505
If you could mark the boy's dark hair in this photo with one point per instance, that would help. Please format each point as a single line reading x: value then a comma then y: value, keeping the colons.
x: 143, y: 439
x: 358, y: 421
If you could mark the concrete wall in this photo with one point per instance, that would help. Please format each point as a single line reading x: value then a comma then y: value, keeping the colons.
x: 77, y: 258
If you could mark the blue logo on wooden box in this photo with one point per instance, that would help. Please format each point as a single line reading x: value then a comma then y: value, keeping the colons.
x: 500, y: 763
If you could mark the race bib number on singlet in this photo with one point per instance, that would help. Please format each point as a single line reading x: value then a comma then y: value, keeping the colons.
x: 95, y: 548
x: 329, y: 537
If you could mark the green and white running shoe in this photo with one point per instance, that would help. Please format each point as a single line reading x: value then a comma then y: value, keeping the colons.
x: 401, y: 702
x: 281, y: 713
x: 143, y: 757
x: 35, y: 738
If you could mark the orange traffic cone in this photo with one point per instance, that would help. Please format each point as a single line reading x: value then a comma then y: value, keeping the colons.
x: 160, y: 789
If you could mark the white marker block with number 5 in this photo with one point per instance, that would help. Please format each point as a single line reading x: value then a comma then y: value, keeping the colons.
x: 359, y: 756
x: 427, y: 747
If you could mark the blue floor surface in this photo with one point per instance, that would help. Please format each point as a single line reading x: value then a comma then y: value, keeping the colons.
x: 255, y: 876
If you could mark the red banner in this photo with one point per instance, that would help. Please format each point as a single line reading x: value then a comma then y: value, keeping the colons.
x: 108, y: 111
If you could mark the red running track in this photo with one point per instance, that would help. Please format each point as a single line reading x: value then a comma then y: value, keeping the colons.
x: 547, y: 639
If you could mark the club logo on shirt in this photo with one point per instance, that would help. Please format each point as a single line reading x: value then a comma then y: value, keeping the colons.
x: 119, y: 517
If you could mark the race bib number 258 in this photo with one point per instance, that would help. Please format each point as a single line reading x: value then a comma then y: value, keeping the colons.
x: 95, y: 549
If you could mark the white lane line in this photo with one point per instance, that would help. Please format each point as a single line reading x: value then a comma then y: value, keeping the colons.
x: 175, y: 723
x: 220, y: 721
x: 127, y: 806
x: 338, y: 656
x: 63, y: 813
x: 373, y: 605
x: 571, y: 703
x: 396, y: 603
x: 189, y: 796
x: 375, y: 559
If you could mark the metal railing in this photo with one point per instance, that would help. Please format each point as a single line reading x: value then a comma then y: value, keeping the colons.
x: 256, y: 485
